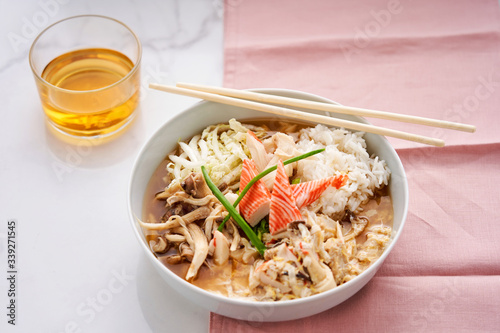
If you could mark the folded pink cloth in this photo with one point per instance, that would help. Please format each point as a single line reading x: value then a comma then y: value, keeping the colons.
x: 438, y: 59
x: 444, y: 273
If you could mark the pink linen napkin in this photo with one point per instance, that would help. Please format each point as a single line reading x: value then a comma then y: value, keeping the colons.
x: 439, y: 59
x: 430, y: 58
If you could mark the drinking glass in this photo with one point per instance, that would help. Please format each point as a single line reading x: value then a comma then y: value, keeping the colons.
x: 87, y: 71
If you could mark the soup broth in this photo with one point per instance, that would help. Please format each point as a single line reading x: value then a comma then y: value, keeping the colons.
x: 235, y: 275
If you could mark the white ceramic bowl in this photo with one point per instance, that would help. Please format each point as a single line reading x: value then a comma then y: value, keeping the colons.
x: 193, y: 121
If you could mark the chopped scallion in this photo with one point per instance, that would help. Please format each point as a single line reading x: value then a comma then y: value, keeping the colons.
x: 233, y: 213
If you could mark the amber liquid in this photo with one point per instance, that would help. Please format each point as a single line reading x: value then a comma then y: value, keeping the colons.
x: 91, y: 101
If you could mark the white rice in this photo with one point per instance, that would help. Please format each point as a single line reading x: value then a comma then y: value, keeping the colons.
x: 345, y: 154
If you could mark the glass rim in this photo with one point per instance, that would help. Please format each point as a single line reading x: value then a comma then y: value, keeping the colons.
x: 123, y: 79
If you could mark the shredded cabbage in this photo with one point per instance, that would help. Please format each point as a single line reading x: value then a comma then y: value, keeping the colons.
x: 221, y: 148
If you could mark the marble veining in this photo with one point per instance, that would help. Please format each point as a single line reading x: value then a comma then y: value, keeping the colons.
x: 81, y: 268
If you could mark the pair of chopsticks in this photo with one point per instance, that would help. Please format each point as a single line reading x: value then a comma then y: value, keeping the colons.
x: 258, y: 101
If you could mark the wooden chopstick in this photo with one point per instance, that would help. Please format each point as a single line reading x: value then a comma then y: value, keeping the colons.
x: 299, y: 114
x: 265, y: 98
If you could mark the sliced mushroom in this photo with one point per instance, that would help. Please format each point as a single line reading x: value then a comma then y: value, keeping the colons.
x: 188, y: 184
x: 174, y: 238
x: 200, y: 247
x: 176, y: 220
x: 161, y: 245
x: 222, y: 186
x: 186, y: 198
x: 358, y: 224
x: 174, y: 259
x: 186, y: 252
x: 184, y: 232
x: 172, y: 210
x: 173, y: 188
x: 195, y: 185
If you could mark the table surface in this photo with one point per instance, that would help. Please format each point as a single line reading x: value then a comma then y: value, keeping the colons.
x: 80, y: 268
x: 79, y: 265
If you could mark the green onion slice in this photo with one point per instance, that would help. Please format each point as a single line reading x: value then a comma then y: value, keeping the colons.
x: 233, y: 213
x: 262, y: 174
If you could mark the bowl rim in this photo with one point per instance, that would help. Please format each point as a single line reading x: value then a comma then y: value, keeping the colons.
x: 246, y: 302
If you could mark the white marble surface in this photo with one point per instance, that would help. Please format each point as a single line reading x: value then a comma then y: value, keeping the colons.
x: 79, y: 265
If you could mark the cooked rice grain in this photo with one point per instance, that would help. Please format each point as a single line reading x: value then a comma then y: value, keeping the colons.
x: 345, y: 154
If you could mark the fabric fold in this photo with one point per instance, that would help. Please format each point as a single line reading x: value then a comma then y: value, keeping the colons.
x: 426, y: 58
x: 432, y: 59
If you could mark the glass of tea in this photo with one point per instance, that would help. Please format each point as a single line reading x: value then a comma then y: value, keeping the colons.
x: 87, y: 71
